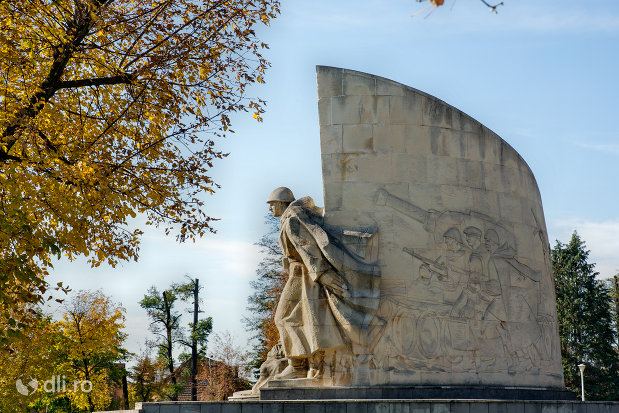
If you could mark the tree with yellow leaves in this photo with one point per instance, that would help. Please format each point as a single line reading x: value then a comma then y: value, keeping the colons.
x: 147, y: 376
x: 91, y: 328
x: 109, y: 109
x: 65, y: 364
x: 26, y: 363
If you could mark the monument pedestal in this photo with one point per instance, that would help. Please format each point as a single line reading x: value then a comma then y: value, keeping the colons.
x: 281, y: 390
x: 380, y: 406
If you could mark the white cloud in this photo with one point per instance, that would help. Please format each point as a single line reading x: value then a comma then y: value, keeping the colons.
x: 236, y: 258
x: 224, y: 267
x: 606, y: 148
x: 544, y: 17
x: 601, y: 239
x: 346, y: 16
x: 563, y: 20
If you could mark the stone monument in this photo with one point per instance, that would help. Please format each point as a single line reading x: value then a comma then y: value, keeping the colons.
x: 428, y: 270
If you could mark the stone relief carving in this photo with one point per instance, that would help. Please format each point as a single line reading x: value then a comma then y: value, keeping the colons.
x: 330, y: 299
x: 476, y: 307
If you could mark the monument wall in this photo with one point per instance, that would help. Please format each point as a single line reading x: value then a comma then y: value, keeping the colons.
x: 466, y: 293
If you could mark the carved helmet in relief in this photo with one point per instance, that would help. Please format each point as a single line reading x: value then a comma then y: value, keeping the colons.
x: 281, y: 194
x: 453, y: 233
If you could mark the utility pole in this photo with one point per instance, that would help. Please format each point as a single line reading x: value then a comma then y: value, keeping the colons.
x: 194, y: 343
x: 198, y: 329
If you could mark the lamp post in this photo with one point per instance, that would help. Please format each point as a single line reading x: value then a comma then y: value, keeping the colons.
x: 582, y: 380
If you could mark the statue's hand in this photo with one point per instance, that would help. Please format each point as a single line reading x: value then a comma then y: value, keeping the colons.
x: 333, y: 282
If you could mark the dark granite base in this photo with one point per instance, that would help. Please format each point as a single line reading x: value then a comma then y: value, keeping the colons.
x: 381, y: 406
x: 414, y: 392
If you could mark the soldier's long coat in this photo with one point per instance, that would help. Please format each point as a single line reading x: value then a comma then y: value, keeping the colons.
x: 311, y: 316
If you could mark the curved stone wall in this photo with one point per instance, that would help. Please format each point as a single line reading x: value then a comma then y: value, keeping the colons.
x: 467, y: 296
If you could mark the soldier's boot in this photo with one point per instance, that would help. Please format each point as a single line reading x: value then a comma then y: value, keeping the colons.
x: 296, y: 369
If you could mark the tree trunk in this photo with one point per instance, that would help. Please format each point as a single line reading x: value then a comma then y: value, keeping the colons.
x: 168, y: 326
x: 194, y: 344
x: 125, y: 390
x: 91, y: 405
x: 615, y: 299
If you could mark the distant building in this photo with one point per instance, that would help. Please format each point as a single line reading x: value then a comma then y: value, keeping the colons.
x: 215, y: 380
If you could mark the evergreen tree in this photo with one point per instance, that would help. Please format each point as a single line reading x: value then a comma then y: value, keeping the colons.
x: 613, y: 285
x: 585, y: 322
x: 267, y: 289
x: 165, y: 325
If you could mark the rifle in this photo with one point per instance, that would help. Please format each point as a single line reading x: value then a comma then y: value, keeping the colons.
x: 434, y: 265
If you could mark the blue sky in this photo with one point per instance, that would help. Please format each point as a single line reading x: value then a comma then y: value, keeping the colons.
x: 541, y: 74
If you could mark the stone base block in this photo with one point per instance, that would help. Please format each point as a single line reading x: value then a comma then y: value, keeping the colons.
x: 382, y: 406
x: 279, y: 391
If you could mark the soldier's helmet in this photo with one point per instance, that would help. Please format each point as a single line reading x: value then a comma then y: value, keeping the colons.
x: 281, y: 194
x: 454, y: 234
x: 472, y: 231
